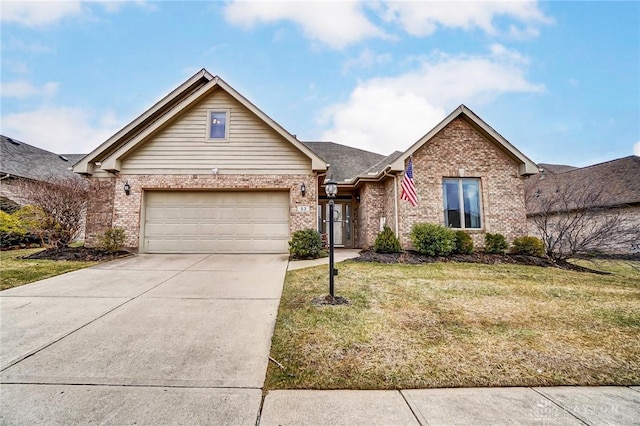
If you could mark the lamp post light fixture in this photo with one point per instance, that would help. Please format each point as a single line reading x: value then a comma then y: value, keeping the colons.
x: 331, y: 188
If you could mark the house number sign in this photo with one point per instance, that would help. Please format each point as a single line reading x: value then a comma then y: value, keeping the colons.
x: 303, y: 209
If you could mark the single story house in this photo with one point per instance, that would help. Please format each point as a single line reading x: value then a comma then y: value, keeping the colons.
x: 607, y: 192
x: 205, y: 170
x: 20, y: 161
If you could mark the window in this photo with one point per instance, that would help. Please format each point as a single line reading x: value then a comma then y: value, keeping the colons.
x: 217, y: 128
x: 462, y: 203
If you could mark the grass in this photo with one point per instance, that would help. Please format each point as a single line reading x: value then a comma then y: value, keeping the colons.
x: 458, y: 325
x: 15, y: 271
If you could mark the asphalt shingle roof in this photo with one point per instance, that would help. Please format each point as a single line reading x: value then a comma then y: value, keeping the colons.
x: 617, y: 181
x: 21, y: 159
x: 346, y: 163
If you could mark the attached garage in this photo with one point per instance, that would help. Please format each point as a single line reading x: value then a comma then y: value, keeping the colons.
x: 215, y: 222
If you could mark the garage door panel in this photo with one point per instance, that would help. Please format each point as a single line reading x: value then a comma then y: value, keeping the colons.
x: 216, y: 222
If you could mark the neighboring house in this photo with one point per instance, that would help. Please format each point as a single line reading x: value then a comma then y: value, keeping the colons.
x: 20, y: 161
x: 204, y: 170
x: 607, y: 191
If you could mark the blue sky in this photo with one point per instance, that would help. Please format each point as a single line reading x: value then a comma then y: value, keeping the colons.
x: 560, y: 80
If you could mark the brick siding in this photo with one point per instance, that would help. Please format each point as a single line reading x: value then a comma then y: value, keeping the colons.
x: 456, y: 151
x: 125, y: 210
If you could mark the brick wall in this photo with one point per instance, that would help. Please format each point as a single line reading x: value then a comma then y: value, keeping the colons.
x: 372, y: 208
x: 126, y: 209
x: 461, y: 151
x: 99, y: 208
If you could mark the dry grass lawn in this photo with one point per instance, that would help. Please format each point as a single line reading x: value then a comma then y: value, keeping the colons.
x: 458, y: 325
x: 15, y: 271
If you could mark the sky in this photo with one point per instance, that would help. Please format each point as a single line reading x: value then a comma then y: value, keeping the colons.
x: 559, y: 79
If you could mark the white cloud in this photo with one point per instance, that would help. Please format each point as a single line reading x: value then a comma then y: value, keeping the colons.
x: 384, y: 114
x: 367, y: 59
x: 636, y: 148
x: 61, y: 130
x: 23, y: 89
x: 340, y: 23
x: 335, y: 23
x: 40, y: 13
x: 424, y: 18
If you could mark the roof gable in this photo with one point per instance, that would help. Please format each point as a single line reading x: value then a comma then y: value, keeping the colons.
x: 526, y: 166
x: 111, y: 152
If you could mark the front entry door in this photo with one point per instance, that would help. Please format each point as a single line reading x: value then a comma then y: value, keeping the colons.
x: 342, y: 226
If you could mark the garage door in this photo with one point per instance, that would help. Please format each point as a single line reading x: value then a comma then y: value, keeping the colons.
x: 216, y: 222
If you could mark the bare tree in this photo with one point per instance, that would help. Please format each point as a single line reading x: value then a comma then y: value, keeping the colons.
x: 58, y: 206
x: 574, y: 217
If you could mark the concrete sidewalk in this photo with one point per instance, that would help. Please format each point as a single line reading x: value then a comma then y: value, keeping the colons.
x: 607, y: 405
x: 338, y: 256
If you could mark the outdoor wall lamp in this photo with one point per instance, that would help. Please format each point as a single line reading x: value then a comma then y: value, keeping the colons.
x: 331, y: 188
x: 303, y: 189
x: 127, y: 188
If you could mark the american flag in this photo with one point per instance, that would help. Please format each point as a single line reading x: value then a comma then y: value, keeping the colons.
x: 408, y: 187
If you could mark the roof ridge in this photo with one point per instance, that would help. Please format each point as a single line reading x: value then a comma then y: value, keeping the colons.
x: 628, y: 157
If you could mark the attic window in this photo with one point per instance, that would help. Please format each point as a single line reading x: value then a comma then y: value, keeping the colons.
x: 13, y: 142
x: 218, y: 125
x: 63, y: 158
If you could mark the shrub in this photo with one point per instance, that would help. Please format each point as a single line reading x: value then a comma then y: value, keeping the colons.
x: 112, y: 240
x: 464, y: 243
x: 531, y: 246
x: 14, y: 231
x: 306, y: 244
x: 495, y: 243
x: 386, y: 242
x: 433, y: 240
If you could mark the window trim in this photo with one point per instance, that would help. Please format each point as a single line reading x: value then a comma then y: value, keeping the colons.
x: 227, y: 113
x: 461, y: 202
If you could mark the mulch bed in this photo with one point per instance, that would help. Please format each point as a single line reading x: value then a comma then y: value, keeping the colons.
x: 77, y: 253
x: 413, y: 258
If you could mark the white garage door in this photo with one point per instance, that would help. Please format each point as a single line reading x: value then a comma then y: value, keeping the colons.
x: 216, y: 222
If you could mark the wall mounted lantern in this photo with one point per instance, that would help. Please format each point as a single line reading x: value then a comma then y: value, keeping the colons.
x: 303, y: 189
x: 127, y: 188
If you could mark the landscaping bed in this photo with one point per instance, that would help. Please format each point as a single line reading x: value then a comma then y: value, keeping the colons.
x: 77, y: 253
x: 414, y: 258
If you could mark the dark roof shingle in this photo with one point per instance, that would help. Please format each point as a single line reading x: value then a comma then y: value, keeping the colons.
x: 23, y: 160
x: 346, y: 163
x: 616, y: 182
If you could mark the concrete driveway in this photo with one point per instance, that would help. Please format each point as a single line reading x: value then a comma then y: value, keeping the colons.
x: 151, y: 339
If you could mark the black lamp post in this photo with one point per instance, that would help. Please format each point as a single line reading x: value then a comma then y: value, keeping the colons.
x: 331, y: 188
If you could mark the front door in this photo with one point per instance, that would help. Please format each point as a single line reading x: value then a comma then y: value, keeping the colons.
x: 342, y: 224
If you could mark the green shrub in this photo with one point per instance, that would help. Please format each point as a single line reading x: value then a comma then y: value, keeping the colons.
x: 14, y: 231
x: 306, y: 244
x: 464, y: 243
x: 112, y: 240
x: 531, y: 246
x: 386, y: 242
x: 495, y: 243
x: 433, y: 240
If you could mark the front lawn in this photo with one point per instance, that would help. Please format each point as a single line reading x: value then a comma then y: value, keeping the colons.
x: 15, y: 271
x: 458, y: 325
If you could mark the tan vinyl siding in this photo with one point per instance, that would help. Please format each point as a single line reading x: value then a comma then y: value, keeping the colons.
x: 253, y: 147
